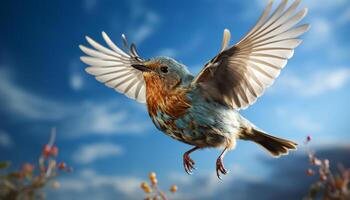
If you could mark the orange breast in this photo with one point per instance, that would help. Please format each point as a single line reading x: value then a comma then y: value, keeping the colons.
x: 174, y: 103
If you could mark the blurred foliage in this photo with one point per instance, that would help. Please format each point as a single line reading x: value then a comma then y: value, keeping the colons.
x: 27, y: 182
x: 152, y: 190
x: 331, y: 185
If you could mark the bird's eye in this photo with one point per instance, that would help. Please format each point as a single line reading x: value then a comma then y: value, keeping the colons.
x: 164, y: 69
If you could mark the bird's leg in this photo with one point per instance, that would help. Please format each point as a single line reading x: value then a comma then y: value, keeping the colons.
x: 220, y: 168
x: 188, y: 162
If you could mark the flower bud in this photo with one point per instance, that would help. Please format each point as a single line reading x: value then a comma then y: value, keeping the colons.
x: 310, y: 172
x: 152, y: 175
x: 46, y: 150
x: 323, y: 177
x: 148, y: 189
x: 308, y: 138
x: 173, y: 188
x: 27, y: 168
x: 154, y: 181
x: 56, y: 185
x: 62, y: 165
x: 143, y: 185
x: 54, y: 151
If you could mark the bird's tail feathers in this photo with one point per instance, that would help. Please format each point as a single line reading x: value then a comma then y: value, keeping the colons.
x: 274, y: 145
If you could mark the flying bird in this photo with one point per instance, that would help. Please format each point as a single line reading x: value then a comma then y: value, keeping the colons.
x: 203, y: 110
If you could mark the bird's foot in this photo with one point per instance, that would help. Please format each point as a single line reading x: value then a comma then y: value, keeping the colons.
x: 188, y: 163
x: 220, y: 168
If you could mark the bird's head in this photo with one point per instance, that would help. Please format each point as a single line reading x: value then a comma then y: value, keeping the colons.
x: 164, y: 72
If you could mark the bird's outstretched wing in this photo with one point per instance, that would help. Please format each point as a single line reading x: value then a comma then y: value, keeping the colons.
x: 112, y: 66
x: 238, y: 75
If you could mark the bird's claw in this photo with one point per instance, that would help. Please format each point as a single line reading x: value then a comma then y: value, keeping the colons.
x: 188, y: 164
x: 220, y: 168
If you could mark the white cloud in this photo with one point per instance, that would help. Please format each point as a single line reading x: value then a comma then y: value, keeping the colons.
x: 317, y: 83
x: 323, y: 32
x: 146, y: 28
x: 141, y: 21
x: 76, y: 81
x: 89, y: 5
x: 324, y: 5
x: 22, y: 103
x: 301, y: 121
x: 5, y: 140
x: 105, y: 118
x: 91, y: 152
x: 89, y: 182
x: 74, y: 119
x: 75, y: 77
x: 306, y: 124
x: 167, y: 52
x: 344, y: 17
x: 320, y: 34
x: 207, y: 184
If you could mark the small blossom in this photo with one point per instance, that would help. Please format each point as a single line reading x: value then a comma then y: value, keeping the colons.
x: 62, y: 165
x: 173, y: 188
x: 316, y: 161
x: 27, y: 168
x: 326, y: 163
x: 148, y: 190
x: 56, y: 185
x: 46, y: 150
x: 143, y: 185
x: 154, y: 181
x: 323, y: 177
x: 152, y: 175
x: 310, y: 172
x: 308, y: 138
x: 54, y: 151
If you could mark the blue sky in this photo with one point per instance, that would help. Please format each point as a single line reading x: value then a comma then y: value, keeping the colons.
x: 109, y: 139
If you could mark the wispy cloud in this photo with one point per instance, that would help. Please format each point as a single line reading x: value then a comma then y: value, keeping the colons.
x: 317, y: 83
x: 324, y: 34
x: 207, y: 185
x: 319, y: 34
x: 306, y: 124
x: 76, y: 81
x: 142, y: 21
x: 301, y: 121
x: 89, y: 5
x: 18, y: 101
x: 5, y: 140
x: 146, y: 28
x: 104, y: 118
x: 344, y: 17
x: 75, y: 78
x: 97, y: 185
x: 89, y: 153
x: 325, y: 5
x: 167, y: 52
x: 73, y: 118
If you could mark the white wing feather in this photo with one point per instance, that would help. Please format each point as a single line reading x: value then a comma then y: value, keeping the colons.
x: 257, y: 59
x: 112, y: 66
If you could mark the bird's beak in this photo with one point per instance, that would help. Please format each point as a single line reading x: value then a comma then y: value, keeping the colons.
x: 141, y: 67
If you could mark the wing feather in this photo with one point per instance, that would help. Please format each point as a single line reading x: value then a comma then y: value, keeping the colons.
x: 241, y: 73
x: 112, y: 66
